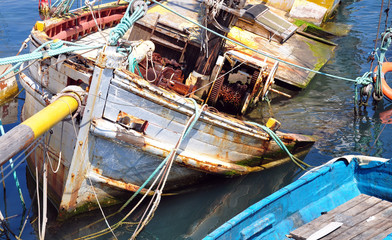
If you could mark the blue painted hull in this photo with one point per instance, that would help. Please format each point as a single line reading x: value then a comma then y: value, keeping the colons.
x: 305, y: 199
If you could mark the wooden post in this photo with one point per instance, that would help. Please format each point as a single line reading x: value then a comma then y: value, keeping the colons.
x: 25, y: 133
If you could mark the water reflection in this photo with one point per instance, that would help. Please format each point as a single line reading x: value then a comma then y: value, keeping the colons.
x: 190, y: 215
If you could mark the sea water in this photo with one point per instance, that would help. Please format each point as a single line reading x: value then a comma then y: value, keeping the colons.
x: 324, y: 109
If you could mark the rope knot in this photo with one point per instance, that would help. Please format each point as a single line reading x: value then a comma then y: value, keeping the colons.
x: 366, y: 79
x: 56, y: 44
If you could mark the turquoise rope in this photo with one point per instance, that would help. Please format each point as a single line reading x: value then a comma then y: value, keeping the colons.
x: 138, y: 69
x: 57, y: 49
x: 14, y: 172
x: 254, y: 50
x: 386, y: 42
x: 366, y: 79
x: 197, y: 116
x: 18, y: 64
x: 126, y: 22
x: 62, y: 6
x: 279, y: 142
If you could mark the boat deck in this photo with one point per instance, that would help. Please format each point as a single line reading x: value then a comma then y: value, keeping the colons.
x: 97, y: 38
x: 363, y: 217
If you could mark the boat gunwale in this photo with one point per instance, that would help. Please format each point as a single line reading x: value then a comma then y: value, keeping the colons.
x: 360, y: 161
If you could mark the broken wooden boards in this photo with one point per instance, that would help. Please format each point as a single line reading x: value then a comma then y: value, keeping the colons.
x: 298, y: 50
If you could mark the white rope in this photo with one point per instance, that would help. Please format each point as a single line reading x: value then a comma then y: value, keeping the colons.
x: 89, y: 5
x: 45, y: 192
x: 38, y: 198
x: 100, y: 208
x: 161, y: 185
x: 70, y: 113
x: 61, y: 146
x: 17, y: 158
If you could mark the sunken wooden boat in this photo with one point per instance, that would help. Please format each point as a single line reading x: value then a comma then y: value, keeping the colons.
x: 128, y: 123
x: 346, y: 198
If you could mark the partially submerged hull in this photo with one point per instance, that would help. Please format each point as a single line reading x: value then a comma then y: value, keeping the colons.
x: 118, y: 158
x: 352, y: 192
x: 128, y: 125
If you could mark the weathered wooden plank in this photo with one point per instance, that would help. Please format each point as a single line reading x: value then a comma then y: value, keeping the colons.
x: 383, y: 234
x: 122, y: 100
x: 370, y: 228
x: 352, y: 224
x: 309, y: 228
x: 166, y: 125
x: 344, y: 215
x: 14, y: 141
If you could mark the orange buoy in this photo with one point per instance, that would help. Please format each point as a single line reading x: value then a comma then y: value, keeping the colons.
x: 386, y: 67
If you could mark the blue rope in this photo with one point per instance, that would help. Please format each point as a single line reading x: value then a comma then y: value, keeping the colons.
x: 62, y: 6
x: 2, y: 132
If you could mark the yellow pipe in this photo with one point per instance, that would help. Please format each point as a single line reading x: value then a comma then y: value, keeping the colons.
x: 51, y: 115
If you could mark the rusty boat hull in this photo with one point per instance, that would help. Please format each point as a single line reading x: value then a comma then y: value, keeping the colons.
x: 127, y: 126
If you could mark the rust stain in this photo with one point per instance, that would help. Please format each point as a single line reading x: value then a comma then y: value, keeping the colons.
x: 123, y: 185
x: 97, y: 170
x: 3, y: 85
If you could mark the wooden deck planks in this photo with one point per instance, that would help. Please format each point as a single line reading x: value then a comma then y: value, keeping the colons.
x: 307, y: 229
x: 362, y: 223
x: 363, y: 217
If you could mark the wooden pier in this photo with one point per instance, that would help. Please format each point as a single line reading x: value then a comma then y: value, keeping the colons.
x: 363, y: 217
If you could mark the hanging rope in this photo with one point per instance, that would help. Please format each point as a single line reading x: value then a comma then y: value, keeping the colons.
x: 372, y: 56
x: 163, y: 169
x: 279, y: 142
x: 90, y: 7
x: 2, y: 132
x: 387, y: 15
